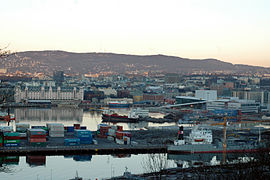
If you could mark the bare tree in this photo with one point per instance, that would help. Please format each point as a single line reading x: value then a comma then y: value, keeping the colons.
x: 155, y: 163
x: 4, y: 52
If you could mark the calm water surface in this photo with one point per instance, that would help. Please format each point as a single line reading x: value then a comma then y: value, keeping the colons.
x: 70, y: 116
x: 60, y: 167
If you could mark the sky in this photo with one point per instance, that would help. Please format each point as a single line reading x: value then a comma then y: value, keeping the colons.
x: 236, y: 31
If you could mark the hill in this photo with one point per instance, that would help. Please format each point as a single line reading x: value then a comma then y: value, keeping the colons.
x: 81, y: 63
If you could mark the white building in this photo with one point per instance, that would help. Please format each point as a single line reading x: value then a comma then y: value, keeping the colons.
x: 246, y: 106
x: 64, y: 93
x: 208, y: 95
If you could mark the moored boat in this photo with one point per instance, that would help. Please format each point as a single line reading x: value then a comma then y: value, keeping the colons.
x: 200, y: 140
x: 119, y: 104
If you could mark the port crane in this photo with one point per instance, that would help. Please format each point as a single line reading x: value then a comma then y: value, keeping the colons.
x: 224, y: 124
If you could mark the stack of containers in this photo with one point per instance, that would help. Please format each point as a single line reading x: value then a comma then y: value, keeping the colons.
x: 112, y: 133
x: 65, y: 129
x: 123, y: 137
x: 1, y: 139
x: 56, y: 129
x: 37, y: 137
x: 85, y: 136
x: 11, y: 139
x: 22, y: 127
x: 72, y: 142
x: 103, y: 131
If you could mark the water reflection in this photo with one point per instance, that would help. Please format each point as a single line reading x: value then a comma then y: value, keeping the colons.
x: 50, y: 114
x: 105, y: 166
x: 210, y: 159
x: 36, y: 160
x: 69, y: 116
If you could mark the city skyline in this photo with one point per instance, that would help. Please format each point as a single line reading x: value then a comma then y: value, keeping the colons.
x: 236, y: 32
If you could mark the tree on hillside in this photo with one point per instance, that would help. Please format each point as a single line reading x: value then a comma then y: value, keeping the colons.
x: 4, y: 52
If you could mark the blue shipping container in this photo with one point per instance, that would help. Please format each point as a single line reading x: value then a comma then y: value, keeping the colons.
x: 72, y: 144
x: 70, y: 129
x: 86, y: 138
x: 12, y: 145
x: 86, y: 142
x: 72, y: 140
x: 80, y: 133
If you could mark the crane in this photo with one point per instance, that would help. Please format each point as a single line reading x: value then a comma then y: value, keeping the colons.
x: 224, y: 123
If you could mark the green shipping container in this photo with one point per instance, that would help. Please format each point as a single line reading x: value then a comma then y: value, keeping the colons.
x: 40, y: 144
x: 11, y: 134
x: 11, y: 141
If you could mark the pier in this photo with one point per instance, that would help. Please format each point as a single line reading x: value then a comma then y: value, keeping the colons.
x: 84, y: 149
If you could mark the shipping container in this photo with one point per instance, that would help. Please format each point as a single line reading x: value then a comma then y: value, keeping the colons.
x: 77, y: 126
x: 37, y: 140
x: 72, y: 144
x: 11, y: 144
x: 70, y: 129
x: 37, y: 136
x: 36, y: 132
x: 72, y: 140
x: 40, y: 144
x: 22, y: 127
x: 11, y: 134
x: 86, y: 142
x: 11, y: 141
x: 12, y: 137
x: 6, y: 128
x: 119, y: 128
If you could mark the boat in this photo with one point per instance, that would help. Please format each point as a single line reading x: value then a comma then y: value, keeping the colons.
x: 119, y: 104
x: 200, y: 140
x: 111, y: 116
x: 133, y: 116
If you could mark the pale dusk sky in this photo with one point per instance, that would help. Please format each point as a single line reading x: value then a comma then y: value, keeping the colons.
x: 236, y: 31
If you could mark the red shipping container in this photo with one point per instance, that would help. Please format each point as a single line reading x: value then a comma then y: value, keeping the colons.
x: 1, y: 144
x: 37, y: 136
x: 119, y: 128
x: 119, y: 134
x: 12, y: 137
x: 37, y: 140
x: 77, y: 126
x: 128, y: 134
x: 101, y: 136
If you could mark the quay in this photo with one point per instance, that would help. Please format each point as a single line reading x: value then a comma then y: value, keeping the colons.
x: 85, y: 149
